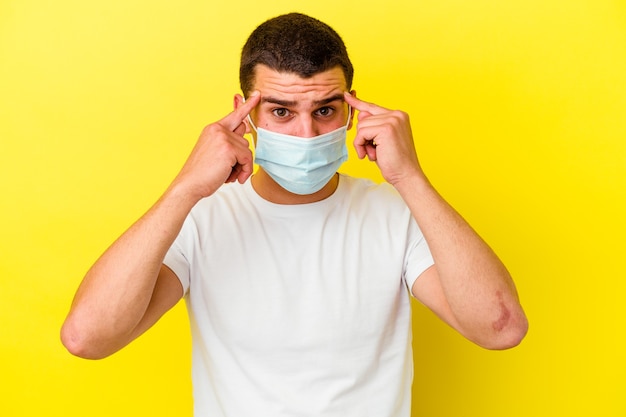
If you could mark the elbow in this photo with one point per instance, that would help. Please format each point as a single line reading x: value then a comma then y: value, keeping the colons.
x: 78, y: 344
x: 510, y: 339
x: 502, y: 336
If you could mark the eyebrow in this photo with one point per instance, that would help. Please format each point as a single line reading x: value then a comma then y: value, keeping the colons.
x: 291, y: 103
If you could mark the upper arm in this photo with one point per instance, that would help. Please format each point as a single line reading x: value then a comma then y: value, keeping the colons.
x: 427, y: 289
x: 168, y: 290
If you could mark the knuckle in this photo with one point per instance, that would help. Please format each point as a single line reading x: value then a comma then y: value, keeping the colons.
x: 211, y: 130
x: 401, y: 115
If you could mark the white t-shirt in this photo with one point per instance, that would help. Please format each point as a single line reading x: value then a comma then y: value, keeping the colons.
x: 301, y: 310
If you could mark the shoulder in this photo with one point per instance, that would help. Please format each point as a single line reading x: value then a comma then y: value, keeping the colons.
x: 228, y: 196
x: 371, y: 199
x: 225, y: 205
x: 367, y: 189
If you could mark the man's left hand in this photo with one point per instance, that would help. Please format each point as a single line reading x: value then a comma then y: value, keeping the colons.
x: 385, y: 136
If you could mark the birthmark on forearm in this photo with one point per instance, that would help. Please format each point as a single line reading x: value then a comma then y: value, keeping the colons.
x: 505, y: 315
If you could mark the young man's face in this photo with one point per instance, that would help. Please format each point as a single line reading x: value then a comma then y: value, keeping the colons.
x: 304, y: 107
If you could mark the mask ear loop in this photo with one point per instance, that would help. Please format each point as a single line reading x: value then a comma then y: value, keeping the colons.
x: 250, y: 119
x: 251, y: 123
x: 349, y: 115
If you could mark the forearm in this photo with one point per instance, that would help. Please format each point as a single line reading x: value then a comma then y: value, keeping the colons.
x: 116, y: 292
x: 468, y: 287
x: 477, y: 287
x: 126, y: 290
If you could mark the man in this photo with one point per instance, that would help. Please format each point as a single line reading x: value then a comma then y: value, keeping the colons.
x: 297, y: 278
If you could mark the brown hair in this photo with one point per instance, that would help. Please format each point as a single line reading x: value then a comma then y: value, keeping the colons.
x: 293, y: 43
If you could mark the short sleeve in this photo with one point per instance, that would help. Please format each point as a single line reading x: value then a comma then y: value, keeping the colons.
x: 418, y: 257
x: 176, y: 261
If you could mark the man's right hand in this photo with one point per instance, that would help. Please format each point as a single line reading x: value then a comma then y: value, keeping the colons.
x: 128, y: 288
x: 221, y: 154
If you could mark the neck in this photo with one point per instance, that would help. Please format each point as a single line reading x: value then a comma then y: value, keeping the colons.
x: 269, y: 190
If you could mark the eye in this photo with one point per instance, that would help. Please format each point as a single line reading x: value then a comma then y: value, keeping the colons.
x: 280, y: 112
x: 325, y: 111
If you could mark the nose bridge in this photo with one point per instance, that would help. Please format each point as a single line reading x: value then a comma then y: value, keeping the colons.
x: 306, y: 126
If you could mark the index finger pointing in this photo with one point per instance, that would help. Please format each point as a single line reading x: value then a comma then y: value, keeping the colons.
x: 234, y: 119
x: 365, y: 106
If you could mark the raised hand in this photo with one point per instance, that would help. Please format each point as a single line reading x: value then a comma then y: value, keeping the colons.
x: 220, y: 155
x: 385, y: 136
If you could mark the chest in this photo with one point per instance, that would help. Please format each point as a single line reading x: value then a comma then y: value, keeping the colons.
x: 313, y: 280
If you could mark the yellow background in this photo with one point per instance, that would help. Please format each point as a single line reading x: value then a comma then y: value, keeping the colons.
x: 519, y: 115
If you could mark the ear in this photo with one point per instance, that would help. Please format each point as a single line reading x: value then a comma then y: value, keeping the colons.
x: 238, y: 100
x: 353, y: 94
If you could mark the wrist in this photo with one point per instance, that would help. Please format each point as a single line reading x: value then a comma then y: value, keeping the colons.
x: 182, y: 196
x: 411, y: 182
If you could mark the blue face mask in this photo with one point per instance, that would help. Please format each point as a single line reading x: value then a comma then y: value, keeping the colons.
x: 301, y: 165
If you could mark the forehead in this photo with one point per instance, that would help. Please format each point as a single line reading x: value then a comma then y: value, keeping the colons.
x: 292, y: 87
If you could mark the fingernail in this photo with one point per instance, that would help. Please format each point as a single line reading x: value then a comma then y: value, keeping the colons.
x: 255, y: 93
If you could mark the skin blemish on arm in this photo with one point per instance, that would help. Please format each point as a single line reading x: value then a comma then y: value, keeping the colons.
x: 505, y: 315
